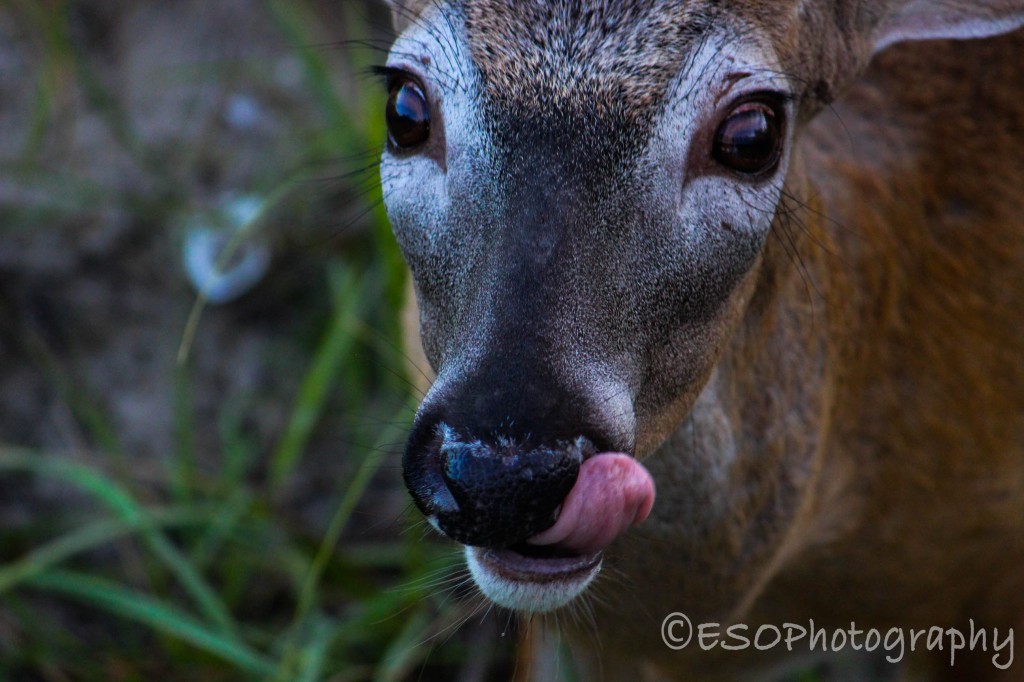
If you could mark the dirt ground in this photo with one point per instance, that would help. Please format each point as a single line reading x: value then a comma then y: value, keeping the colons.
x: 210, y: 101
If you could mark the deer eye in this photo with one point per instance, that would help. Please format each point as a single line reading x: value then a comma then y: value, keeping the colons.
x: 408, y: 114
x: 749, y: 140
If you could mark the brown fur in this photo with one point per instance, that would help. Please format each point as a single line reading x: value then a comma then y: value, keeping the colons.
x: 879, y: 366
x: 909, y: 290
x: 612, y: 54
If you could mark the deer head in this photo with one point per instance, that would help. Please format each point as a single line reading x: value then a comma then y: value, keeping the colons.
x: 584, y: 190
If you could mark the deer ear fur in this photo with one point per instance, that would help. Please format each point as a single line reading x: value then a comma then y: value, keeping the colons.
x: 956, y: 19
x: 404, y: 12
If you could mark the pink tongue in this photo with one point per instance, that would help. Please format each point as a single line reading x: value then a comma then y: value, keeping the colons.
x: 612, y: 493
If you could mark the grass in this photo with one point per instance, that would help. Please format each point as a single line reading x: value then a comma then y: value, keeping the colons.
x: 200, y: 571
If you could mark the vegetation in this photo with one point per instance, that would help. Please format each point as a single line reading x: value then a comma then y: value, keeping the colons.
x: 215, y: 563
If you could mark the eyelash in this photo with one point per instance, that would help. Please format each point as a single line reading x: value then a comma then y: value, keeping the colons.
x: 389, y: 74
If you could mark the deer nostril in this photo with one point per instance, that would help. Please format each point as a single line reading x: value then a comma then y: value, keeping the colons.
x: 494, y: 495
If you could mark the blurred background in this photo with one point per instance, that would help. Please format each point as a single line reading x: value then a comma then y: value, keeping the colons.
x: 203, y: 396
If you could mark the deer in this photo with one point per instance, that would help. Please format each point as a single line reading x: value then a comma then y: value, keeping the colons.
x: 722, y: 302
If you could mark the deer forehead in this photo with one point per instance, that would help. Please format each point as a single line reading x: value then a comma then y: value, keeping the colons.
x: 610, y: 72
x: 605, y: 55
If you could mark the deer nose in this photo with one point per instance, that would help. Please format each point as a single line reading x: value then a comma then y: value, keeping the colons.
x: 505, y: 494
x: 490, y: 494
x: 490, y: 460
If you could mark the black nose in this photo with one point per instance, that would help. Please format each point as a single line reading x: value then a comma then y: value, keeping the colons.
x: 493, y: 494
x: 493, y: 453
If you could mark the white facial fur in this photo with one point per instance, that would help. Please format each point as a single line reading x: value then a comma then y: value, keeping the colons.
x: 702, y: 94
x: 527, y: 597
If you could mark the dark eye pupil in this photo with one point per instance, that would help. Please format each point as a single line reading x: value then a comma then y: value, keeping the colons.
x: 408, y: 115
x: 749, y: 140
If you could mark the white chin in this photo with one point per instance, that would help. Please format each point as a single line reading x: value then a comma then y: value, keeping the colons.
x: 532, y: 584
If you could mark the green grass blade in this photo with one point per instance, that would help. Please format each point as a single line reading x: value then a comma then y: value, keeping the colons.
x: 119, y: 501
x: 295, y: 21
x: 354, y: 492
x: 319, y: 378
x: 314, y: 653
x: 310, y: 585
x: 158, y: 615
x: 406, y: 649
x: 228, y: 516
x: 184, y: 465
x: 88, y: 537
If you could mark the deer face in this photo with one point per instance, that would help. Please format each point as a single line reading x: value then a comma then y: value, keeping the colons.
x: 583, y: 192
x: 584, y: 230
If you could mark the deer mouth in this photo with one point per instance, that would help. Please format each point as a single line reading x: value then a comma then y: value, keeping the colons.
x: 612, y: 493
x: 530, y: 580
x: 528, y: 563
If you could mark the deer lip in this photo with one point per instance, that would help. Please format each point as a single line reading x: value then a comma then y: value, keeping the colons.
x: 531, y: 564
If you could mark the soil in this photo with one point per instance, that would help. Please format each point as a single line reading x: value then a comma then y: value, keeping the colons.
x: 210, y: 101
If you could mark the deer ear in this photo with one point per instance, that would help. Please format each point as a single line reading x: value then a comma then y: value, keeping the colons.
x: 404, y: 12
x: 957, y: 19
